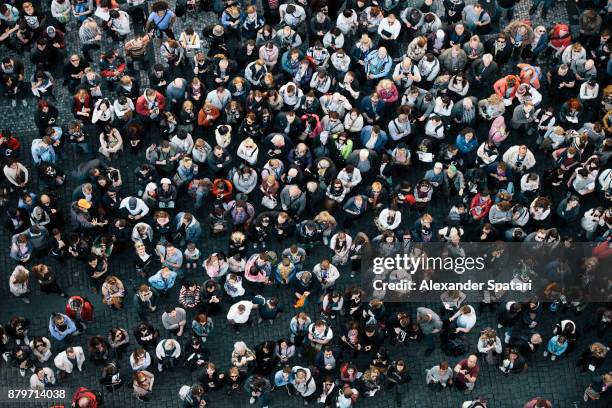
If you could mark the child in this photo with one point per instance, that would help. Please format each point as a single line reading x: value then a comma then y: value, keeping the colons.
x: 191, y: 256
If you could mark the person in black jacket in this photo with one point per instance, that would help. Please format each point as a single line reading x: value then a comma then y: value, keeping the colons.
x: 397, y: 374
x: 111, y: 377
x: 513, y: 363
x: 146, y: 335
x: 211, y: 379
x: 593, y: 357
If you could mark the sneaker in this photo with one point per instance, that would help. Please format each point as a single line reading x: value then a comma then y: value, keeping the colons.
x: 160, y: 368
x: 325, y: 240
x: 24, y: 102
x: 585, y: 397
x: 13, y: 103
x: 553, y: 357
x: 546, y: 354
x: 22, y: 372
x: 507, y: 338
x: 25, y: 299
x: 252, y: 400
x: 6, y: 355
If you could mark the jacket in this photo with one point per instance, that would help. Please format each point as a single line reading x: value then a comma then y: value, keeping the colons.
x: 62, y: 362
x: 446, y: 61
x: 306, y: 388
x: 511, y: 156
x: 142, y: 104
x: 296, y: 205
x: 193, y: 230
x: 157, y: 281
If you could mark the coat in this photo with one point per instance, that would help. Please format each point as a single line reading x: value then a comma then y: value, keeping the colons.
x: 142, y: 107
x: 62, y: 362
x: 446, y: 60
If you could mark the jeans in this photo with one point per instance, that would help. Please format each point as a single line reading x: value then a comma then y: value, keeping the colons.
x: 429, y: 341
x: 500, y: 10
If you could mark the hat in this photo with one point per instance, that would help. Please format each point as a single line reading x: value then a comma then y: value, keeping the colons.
x: 438, y: 165
x: 132, y: 203
x: 165, y: 180
x: 51, y: 31
x: 84, y: 204
x: 452, y: 169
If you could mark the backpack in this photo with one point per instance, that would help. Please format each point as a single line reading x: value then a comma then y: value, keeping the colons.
x: 455, y: 346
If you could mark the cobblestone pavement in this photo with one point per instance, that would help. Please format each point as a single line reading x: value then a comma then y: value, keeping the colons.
x: 558, y: 381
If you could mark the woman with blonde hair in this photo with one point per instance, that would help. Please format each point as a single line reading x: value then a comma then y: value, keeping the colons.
x: 18, y: 283
x: 113, y: 292
x: 255, y: 72
x: 143, y: 384
x: 328, y: 224
x: 248, y: 151
x: 491, y: 107
x: 387, y: 91
x: 593, y: 357
x: 489, y: 345
x: 370, y: 382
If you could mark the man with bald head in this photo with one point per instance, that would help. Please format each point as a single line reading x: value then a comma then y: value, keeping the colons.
x: 483, y: 72
x: 466, y: 373
x: 293, y: 200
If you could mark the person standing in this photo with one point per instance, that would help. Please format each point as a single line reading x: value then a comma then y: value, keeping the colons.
x: 430, y: 324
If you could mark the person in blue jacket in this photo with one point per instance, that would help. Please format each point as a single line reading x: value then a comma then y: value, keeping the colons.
x: 163, y: 280
x: 61, y: 328
x: 374, y: 138
x: 371, y: 108
x: 467, y: 144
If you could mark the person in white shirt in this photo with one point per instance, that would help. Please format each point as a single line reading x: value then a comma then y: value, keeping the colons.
x: 119, y: 24
x: 388, y: 30
x: 67, y: 359
x: 239, y: 314
x: 465, y: 319
x: 341, y: 63
x: 319, y: 334
x: 167, y: 352
x: 42, y: 378
x: 291, y: 94
x: 140, y: 359
x: 292, y: 14
x: 347, y: 21
x: 135, y: 207
x: 388, y: 220
x: 326, y: 273
x: 350, y: 176
x: 434, y: 127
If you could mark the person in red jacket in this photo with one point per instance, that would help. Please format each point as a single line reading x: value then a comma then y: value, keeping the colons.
x: 80, y: 310
x: 480, y: 205
x: 150, y: 104
x: 506, y: 88
x: 222, y: 190
x: 84, y: 398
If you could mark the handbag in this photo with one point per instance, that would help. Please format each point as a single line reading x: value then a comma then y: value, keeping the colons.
x: 269, y: 202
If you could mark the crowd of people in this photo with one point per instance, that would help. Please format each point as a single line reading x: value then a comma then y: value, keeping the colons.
x: 300, y: 134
